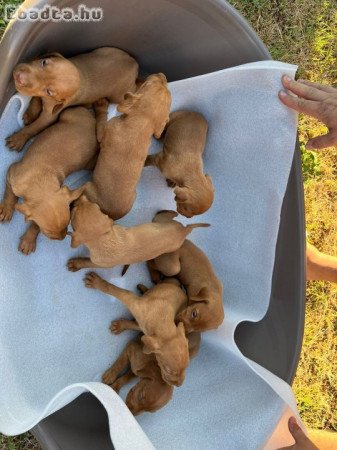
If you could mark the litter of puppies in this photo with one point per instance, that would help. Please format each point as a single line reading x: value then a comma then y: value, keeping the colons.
x: 187, y: 296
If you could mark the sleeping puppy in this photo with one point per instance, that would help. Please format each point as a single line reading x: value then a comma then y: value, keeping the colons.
x: 65, y: 147
x: 154, y: 315
x: 151, y: 392
x: 180, y: 162
x: 125, y: 141
x: 56, y: 82
x: 192, y: 268
x: 112, y: 245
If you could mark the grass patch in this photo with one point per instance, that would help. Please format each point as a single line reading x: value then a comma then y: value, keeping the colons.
x: 302, y: 32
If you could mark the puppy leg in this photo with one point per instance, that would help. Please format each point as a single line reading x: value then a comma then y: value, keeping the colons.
x: 154, y: 160
x: 7, y: 204
x: 33, y: 111
x: 28, y: 240
x: 155, y: 275
x: 169, y: 264
x: 119, y: 383
x: 194, y: 340
x: 94, y: 281
x: 76, y: 264
x: 17, y: 140
x: 142, y: 288
x: 111, y: 375
x: 118, y: 326
x: 101, y: 111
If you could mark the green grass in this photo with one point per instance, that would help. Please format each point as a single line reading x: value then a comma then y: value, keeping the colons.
x: 302, y: 32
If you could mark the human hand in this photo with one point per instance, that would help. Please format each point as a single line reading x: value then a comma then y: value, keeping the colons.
x: 316, y: 100
x: 302, y: 442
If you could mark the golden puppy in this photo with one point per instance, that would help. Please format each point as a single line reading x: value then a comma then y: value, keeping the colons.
x: 65, y: 147
x: 181, y: 162
x: 125, y: 141
x: 113, y: 245
x: 154, y: 315
x: 55, y: 83
x: 151, y: 392
x: 192, y: 268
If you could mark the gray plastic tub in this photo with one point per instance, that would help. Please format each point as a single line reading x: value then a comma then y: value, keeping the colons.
x: 181, y: 38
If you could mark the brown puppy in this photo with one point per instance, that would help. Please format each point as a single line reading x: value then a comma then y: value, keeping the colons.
x: 162, y: 337
x: 204, y: 289
x: 181, y: 162
x: 59, y: 82
x: 66, y: 147
x: 113, y: 245
x: 151, y: 392
x: 125, y: 141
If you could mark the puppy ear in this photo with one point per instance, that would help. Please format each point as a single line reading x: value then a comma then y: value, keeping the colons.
x: 201, y: 296
x: 24, y: 209
x: 50, y: 55
x: 72, y: 195
x: 209, y: 179
x: 159, y: 130
x: 57, y: 108
x: 181, y: 194
x: 75, y: 240
x: 181, y: 328
x: 150, y: 345
x: 126, y: 105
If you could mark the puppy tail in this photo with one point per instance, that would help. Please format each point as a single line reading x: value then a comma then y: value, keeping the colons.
x: 197, y: 225
x: 125, y: 269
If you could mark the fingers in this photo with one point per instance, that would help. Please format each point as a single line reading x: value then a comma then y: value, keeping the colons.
x: 320, y: 142
x: 309, y: 107
x: 297, y: 432
x: 321, y: 87
x: 303, y: 90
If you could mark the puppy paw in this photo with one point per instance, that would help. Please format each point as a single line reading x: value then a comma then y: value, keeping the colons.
x: 6, y: 212
x: 109, y: 377
x: 118, y: 326
x: 102, y: 103
x: 27, y: 245
x: 92, y: 280
x: 28, y: 118
x: 142, y: 288
x: 73, y: 265
x: 16, y: 141
x: 116, y: 386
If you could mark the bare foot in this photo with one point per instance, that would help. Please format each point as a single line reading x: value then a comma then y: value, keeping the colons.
x: 16, y: 141
x: 6, y: 212
x: 92, y: 280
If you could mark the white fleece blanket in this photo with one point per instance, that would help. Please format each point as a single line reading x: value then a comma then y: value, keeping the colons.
x: 54, y: 336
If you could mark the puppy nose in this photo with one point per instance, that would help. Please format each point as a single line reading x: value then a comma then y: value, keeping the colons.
x: 20, y: 78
